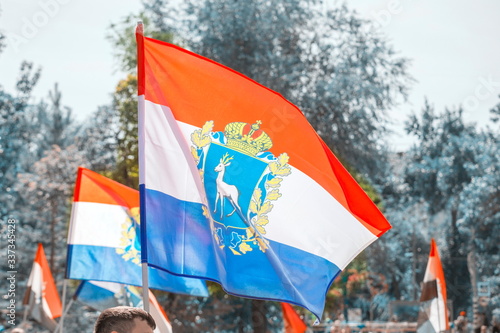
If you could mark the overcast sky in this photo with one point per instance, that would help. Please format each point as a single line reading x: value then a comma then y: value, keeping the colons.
x: 454, y: 46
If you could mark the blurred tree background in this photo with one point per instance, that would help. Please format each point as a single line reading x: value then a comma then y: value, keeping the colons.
x: 347, y: 79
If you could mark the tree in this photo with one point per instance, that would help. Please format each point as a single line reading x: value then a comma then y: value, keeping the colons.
x: 57, y: 123
x: 122, y: 37
x: 14, y: 136
x: 49, y: 124
x: 125, y: 104
x: 14, y: 155
x: 47, y: 191
x: 98, y: 140
x: 443, y: 163
x: 480, y: 215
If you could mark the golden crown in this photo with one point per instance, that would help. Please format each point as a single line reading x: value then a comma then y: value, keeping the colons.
x: 246, y: 138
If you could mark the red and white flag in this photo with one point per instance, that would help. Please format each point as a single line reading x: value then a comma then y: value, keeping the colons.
x: 162, y: 323
x: 433, y: 316
x: 42, y: 300
x: 291, y: 320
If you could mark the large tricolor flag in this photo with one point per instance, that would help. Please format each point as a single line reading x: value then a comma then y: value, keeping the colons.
x: 433, y: 316
x: 103, y: 240
x: 237, y: 187
x: 41, y: 299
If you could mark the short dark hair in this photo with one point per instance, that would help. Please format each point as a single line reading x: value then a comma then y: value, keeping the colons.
x: 121, y: 319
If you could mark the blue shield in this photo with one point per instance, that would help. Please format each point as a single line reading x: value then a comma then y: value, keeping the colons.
x: 229, y: 190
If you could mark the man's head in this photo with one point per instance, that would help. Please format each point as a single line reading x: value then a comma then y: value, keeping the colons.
x: 124, y: 319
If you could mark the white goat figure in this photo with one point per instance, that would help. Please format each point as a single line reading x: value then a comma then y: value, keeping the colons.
x: 225, y: 190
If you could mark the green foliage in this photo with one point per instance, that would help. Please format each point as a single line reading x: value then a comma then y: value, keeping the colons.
x: 446, y: 174
x: 479, y: 212
x: 125, y: 104
x: 47, y: 190
x: 438, y: 167
x: 122, y: 38
x: 98, y: 140
x: 14, y: 135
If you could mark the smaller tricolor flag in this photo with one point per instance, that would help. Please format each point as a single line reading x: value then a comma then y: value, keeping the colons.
x: 41, y: 299
x: 433, y: 316
x: 104, y: 237
x: 99, y: 295
x: 291, y: 320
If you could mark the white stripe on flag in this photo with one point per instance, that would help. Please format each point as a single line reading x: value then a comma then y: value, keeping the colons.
x: 97, y: 224
x: 168, y: 159
x: 330, y: 232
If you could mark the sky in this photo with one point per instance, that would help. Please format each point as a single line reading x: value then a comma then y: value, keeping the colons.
x: 453, y: 46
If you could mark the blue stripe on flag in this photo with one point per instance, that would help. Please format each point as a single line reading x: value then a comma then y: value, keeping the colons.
x: 259, y: 274
x: 104, y: 264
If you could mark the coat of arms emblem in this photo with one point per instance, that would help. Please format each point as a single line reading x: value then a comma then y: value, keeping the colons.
x: 242, y: 179
x: 130, y: 240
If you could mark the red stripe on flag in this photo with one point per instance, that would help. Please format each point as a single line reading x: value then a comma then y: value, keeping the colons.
x: 92, y: 187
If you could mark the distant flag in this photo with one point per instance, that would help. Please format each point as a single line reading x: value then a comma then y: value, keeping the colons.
x: 103, y: 240
x: 292, y: 321
x: 433, y: 316
x: 41, y: 299
x: 237, y: 187
x: 99, y: 295
x: 162, y: 323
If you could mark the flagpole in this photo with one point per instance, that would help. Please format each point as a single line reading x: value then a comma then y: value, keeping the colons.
x: 25, y: 314
x: 66, y: 310
x: 145, y: 287
x: 139, y: 35
x: 60, y: 326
